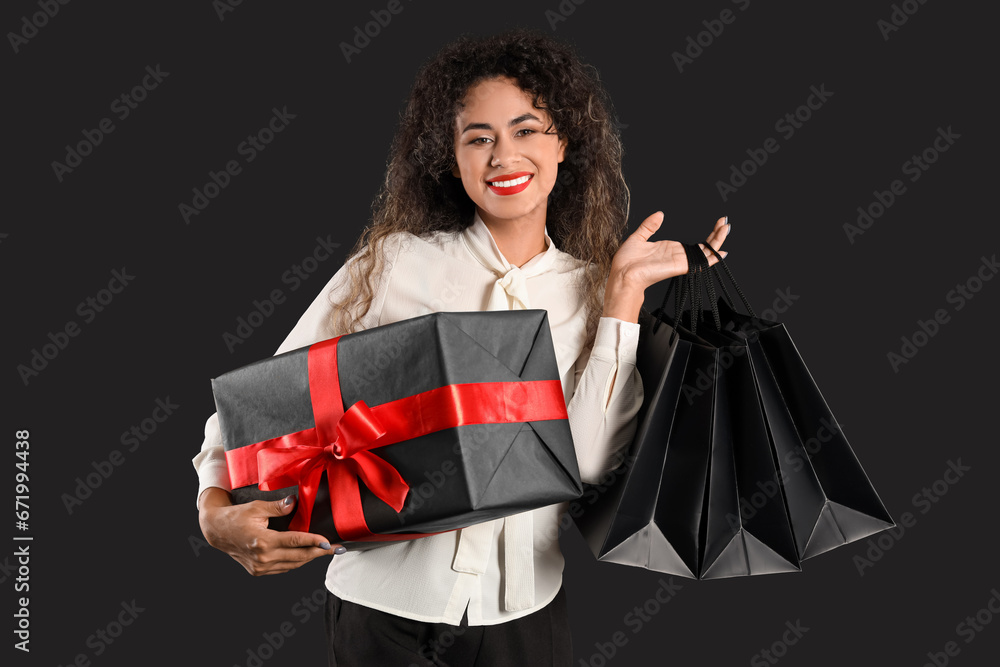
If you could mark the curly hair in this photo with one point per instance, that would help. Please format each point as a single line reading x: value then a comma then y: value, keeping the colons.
x: 588, y: 206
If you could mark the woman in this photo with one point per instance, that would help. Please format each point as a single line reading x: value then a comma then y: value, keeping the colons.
x: 504, y: 190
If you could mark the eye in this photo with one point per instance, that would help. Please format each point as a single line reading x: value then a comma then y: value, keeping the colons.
x: 524, y: 132
x: 480, y: 141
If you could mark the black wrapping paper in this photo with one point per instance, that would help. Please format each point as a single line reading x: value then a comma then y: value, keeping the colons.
x: 458, y: 476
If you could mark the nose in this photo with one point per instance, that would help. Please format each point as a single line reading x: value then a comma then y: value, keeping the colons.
x: 505, y: 152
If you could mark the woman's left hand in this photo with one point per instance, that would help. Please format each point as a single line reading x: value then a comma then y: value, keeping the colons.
x: 640, y: 263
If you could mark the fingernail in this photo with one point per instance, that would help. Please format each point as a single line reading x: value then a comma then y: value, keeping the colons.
x: 340, y: 550
x: 729, y: 223
x: 288, y: 500
x: 324, y: 545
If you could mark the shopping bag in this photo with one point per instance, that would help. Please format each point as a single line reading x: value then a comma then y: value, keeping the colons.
x: 647, y: 517
x: 748, y: 530
x: 699, y: 497
x: 830, y: 499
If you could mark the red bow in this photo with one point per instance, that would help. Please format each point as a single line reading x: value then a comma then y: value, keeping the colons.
x: 282, y: 463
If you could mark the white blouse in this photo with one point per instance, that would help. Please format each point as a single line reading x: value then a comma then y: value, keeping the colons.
x: 507, y: 568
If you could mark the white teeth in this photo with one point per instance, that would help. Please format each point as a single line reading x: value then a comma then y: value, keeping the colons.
x: 509, y: 184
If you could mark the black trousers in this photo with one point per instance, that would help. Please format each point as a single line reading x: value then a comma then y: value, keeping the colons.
x: 361, y: 636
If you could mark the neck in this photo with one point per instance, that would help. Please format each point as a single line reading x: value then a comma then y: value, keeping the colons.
x: 519, y: 241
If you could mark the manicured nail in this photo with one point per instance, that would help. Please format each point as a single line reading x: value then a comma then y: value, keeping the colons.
x: 288, y: 500
x: 729, y: 223
x: 340, y: 550
x: 324, y: 545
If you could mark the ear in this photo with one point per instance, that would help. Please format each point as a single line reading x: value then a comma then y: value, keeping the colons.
x: 563, y: 143
x: 455, y: 172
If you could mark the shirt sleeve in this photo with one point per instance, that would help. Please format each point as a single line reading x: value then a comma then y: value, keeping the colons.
x: 606, y: 398
x: 316, y: 324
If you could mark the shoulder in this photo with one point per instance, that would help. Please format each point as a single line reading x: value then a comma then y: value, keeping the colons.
x: 564, y: 262
x: 423, y: 249
x: 440, y: 240
x: 405, y: 242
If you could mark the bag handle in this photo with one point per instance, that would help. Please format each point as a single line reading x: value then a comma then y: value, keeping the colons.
x: 699, y: 264
x: 701, y: 276
x: 680, y: 300
x: 690, y: 285
x: 715, y: 273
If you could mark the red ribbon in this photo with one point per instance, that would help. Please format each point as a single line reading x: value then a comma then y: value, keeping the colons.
x: 340, y: 441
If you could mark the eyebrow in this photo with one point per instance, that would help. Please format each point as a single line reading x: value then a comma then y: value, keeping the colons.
x: 514, y: 121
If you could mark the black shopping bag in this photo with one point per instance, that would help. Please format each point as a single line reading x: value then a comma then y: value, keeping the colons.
x: 830, y: 499
x: 691, y: 501
x: 756, y: 535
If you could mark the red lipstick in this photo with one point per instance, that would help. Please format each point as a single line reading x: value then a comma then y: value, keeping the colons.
x: 512, y: 189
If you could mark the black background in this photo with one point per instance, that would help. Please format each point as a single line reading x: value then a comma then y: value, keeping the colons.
x: 136, y: 536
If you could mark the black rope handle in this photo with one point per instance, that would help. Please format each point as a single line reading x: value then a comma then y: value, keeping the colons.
x: 691, y: 287
x: 679, y: 302
x: 661, y: 312
x: 692, y: 284
x: 703, y: 275
x: 714, y: 272
x: 729, y: 273
x: 694, y: 277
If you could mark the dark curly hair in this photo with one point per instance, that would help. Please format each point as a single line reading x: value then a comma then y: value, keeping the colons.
x: 588, y: 206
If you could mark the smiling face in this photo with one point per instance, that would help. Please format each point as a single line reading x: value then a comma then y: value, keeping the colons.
x: 507, y: 161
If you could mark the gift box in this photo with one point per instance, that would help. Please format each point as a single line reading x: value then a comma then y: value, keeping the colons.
x: 417, y: 427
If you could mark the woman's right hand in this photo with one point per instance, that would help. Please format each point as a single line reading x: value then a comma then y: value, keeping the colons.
x: 640, y: 263
x: 241, y: 531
